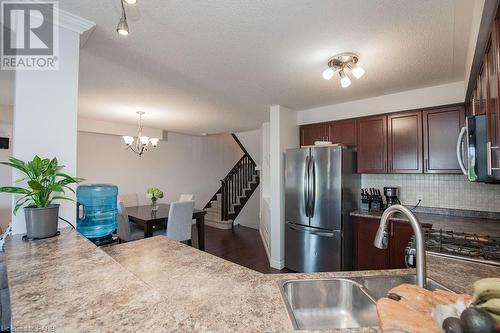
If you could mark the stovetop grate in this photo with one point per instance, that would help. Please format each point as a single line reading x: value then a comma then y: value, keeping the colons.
x: 462, y: 244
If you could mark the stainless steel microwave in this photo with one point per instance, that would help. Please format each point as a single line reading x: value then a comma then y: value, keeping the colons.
x: 479, y: 160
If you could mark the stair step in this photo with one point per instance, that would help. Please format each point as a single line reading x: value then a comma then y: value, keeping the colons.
x: 212, y: 210
x: 214, y: 216
x: 219, y: 225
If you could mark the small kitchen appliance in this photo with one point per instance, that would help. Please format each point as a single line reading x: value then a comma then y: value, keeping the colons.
x: 391, y: 196
x: 479, y: 160
x: 96, y: 211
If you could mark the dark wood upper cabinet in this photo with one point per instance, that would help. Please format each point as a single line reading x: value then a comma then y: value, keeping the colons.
x: 372, y: 144
x: 405, y: 142
x: 311, y: 133
x: 342, y: 131
x: 441, y: 129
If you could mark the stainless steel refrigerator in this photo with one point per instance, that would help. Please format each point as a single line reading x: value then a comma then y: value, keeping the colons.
x: 321, y: 189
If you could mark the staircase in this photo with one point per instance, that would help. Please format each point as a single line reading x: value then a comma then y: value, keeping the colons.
x: 236, y: 189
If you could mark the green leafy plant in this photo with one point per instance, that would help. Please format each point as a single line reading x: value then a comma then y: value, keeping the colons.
x: 154, y: 193
x: 44, y: 179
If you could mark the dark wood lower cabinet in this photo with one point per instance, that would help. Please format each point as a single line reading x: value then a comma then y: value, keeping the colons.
x: 367, y: 257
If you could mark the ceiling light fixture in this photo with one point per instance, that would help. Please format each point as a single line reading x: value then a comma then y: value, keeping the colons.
x: 328, y: 74
x: 122, y: 27
x: 131, y: 2
x: 345, y: 81
x: 344, y: 63
x: 139, y: 144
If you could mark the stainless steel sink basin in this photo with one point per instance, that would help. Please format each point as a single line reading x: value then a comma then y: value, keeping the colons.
x: 324, y: 304
x: 340, y: 302
x: 379, y: 286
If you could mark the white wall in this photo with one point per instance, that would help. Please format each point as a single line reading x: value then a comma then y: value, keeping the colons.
x: 5, y: 172
x: 249, y: 215
x: 251, y: 140
x: 284, y: 135
x: 45, y: 116
x: 406, y: 100
x: 183, y: 164
x: 265, y: 201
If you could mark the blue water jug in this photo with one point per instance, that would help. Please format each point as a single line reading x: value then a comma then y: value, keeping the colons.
x: 96, y: 210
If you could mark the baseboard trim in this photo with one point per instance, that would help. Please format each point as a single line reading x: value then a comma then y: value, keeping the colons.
x: 277, y: 264
x: 266, y: 246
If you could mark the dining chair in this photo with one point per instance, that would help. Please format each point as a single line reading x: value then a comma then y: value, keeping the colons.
x: 186, y: 197
x: 127, y: 231
x: 129, y: 200
x: 179, y: 221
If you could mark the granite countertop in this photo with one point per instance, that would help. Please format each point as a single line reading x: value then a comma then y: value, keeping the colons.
x: 160, y: 285
x: 469, y: 224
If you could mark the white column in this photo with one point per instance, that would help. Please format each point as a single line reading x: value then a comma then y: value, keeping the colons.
x: 284, y: 135
x: 46, y: 107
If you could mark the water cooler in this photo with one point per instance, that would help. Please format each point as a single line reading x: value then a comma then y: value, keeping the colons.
x: 96, y: 212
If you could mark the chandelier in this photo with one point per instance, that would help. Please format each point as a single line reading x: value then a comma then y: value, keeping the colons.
x: 344, y: 63
x: 139, y: 144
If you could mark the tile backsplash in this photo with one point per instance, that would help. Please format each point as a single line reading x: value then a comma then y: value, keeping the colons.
x: 443, y: 191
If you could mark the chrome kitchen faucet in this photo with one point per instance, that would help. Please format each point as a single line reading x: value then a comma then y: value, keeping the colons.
x: 382, y: 239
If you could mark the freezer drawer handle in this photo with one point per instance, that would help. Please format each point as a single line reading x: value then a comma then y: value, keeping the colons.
x: 314, y: 232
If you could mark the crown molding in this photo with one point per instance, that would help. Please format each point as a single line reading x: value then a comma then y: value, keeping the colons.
x: 69, y: 21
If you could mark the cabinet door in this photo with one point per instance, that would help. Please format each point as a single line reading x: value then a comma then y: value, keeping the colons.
x: 365, y: 254
x: 400, y: 234
x: 372, y: 144
x: 311, y: 133
x: 343, y: 131
x: 441, y: 129
x: 405, y: 142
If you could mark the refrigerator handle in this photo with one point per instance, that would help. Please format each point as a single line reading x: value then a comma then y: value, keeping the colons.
x: 306, y: 187
x: 308, y: 230
x: 312, y: 195
x: 460, y: 156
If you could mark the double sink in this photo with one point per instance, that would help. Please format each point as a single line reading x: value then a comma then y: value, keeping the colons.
x: 340, y: 302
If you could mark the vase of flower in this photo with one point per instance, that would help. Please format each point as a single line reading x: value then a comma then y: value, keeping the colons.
x: 154, y: 194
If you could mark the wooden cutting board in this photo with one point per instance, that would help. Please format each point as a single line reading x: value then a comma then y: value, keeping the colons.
x: 413, y: 312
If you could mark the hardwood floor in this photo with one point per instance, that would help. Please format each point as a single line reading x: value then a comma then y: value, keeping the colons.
x: 242, y: 246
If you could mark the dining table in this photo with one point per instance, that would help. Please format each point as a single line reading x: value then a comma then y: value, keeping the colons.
x: 148, y: 218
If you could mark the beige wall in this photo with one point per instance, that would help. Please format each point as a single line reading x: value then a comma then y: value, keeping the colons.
x: 443, y: 191
x: 183, y: 164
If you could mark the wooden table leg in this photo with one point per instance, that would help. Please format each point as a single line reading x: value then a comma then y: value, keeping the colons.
x: 148, y: 230
x: 200, y: 227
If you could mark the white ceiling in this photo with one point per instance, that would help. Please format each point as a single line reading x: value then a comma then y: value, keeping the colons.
x: 216, y: 66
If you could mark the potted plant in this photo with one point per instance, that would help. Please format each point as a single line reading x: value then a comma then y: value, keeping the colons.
x: 154, y: 194
x: 45, y: 184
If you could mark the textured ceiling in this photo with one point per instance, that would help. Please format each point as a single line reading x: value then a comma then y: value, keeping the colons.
x: 217, y: 66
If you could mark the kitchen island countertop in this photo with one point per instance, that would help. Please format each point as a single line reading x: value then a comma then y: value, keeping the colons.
x: 159, y: 285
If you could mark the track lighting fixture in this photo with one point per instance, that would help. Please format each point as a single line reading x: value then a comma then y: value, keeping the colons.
x: 344, y: 63
x: 122, y: 27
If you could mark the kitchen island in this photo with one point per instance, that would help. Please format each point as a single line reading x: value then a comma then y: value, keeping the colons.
x: 67, y: 284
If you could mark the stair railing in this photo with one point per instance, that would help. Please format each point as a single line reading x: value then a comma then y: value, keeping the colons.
x: 234, y: 185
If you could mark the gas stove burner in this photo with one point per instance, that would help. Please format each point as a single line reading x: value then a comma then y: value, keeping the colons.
x: 460, y: 244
